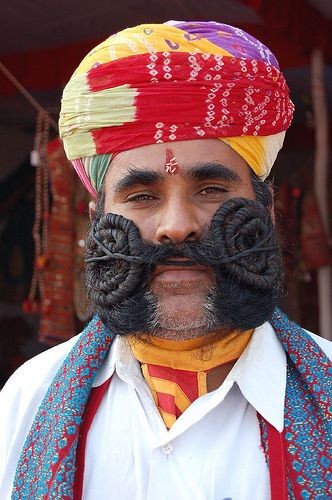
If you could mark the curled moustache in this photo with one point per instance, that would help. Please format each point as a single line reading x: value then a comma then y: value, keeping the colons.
x: 111, y: 245
x: 244, y: 243
x: 241, y: 246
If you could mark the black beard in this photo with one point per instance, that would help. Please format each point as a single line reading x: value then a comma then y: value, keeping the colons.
x: 241, y: 246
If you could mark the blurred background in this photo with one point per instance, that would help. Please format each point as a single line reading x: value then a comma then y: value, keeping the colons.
x: 43, y: 208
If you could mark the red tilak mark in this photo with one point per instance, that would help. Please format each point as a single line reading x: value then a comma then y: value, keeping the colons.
x: 171, y: 165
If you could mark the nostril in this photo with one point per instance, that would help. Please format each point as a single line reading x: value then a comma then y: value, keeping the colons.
x: 191, y: 237
x: 176, y: 227
x: 176, y: 240
x: 165, y: 240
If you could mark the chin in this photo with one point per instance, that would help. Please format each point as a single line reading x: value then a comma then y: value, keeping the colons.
x: 182, y: 316
x: 180, y: 305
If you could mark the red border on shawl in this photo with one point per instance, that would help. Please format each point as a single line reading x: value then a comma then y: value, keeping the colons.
x: 277, y: 463
x: 95, y: 397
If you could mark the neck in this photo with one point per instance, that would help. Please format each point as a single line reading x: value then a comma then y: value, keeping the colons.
x: 217, y: 375
x: 212, y: 354
x: 178, y: 372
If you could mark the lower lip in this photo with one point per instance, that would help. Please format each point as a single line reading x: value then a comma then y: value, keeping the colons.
x: 180, y: 275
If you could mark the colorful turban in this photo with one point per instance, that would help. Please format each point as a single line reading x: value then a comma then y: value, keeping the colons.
x: 176, y: 81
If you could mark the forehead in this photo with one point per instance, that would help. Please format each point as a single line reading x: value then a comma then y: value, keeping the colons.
x: 187, y: 153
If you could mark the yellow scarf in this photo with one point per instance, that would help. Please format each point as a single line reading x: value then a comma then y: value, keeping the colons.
x: 176, y: 371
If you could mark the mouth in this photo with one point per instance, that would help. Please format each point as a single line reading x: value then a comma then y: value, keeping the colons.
x: 178, y: 269
x: 178, y: 263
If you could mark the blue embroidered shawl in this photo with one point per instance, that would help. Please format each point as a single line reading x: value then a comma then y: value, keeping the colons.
x: 46, y: 468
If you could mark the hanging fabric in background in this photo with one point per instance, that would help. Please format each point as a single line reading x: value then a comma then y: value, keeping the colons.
x: 315, y: 250
x: 305, y: 249
x: 288, y: 204
x: 56, y: 304
x: 51, y: 291
x: 305, y: 241
x: 57, y: 290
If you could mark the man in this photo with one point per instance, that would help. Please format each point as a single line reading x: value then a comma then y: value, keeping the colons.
x: 188, y: 383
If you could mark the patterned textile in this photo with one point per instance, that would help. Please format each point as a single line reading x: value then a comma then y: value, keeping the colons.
x: 46, y: 467
x: 176, y: 372
x: 56, y: 311
x: 174, y: 390
x: 308, y: 412
x: 176, y: 81
x: 47, y: 464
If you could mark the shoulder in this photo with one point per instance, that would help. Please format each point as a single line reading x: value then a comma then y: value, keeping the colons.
x: 39, y: 370
x: 19, y: 401
x: 324, y: 344
x: 28, y: 385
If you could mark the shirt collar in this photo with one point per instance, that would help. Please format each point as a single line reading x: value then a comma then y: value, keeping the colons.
x: 121, y: 360
x: 260, y: 372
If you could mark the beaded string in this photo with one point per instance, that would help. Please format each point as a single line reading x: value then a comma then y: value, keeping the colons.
x: 40, y: 226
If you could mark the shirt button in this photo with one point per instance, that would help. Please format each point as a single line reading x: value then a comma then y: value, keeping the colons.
x: 167, y: 449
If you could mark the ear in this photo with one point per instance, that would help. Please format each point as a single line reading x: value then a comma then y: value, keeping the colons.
x: 92, y: 209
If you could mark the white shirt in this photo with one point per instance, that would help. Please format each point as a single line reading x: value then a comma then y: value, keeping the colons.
x: 212, y: 452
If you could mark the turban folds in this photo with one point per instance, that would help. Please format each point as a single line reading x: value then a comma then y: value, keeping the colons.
x: 169, y: 82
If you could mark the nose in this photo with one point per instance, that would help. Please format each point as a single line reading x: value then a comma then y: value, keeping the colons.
x: 178, y: 223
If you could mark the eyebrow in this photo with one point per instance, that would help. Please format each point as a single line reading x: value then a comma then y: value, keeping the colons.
x: 199, y: 172
x: 137, y: 177
x: 212, y: 170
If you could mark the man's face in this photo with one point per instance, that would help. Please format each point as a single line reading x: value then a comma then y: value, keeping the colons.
x: 174, y: 208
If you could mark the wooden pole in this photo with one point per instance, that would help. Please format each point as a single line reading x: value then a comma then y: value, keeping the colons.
x: 29, y: 97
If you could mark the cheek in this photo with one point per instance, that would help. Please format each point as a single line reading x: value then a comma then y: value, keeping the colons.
x: 117, y: 208
x: 145, y: 224
x: 245, y: 190
x: 250, y: 192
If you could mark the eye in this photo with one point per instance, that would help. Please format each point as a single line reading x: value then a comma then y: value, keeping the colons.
x: 142, y: 200
x: 140, y: 197
x: 213, y: 190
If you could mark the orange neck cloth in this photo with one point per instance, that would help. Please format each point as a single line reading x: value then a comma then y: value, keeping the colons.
x: 176, y: 371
